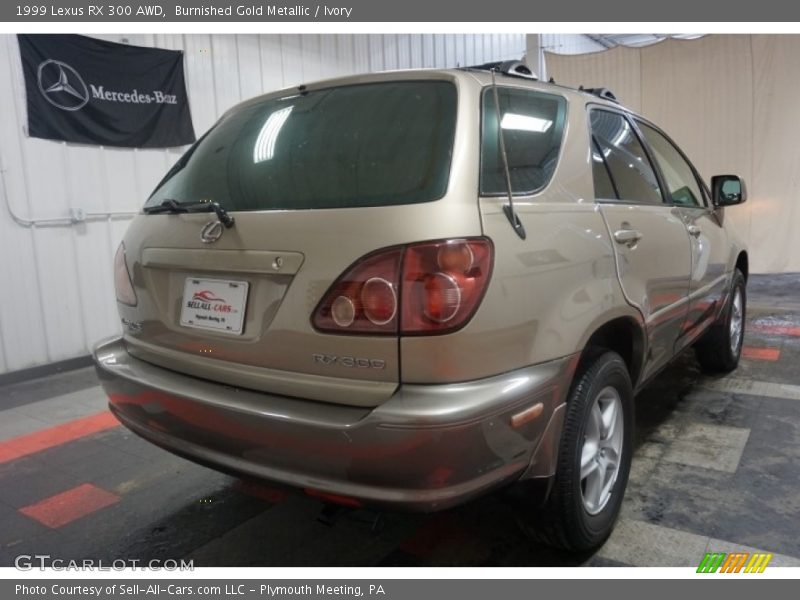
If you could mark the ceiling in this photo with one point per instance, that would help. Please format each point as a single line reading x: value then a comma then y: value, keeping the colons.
x: 612, y: 40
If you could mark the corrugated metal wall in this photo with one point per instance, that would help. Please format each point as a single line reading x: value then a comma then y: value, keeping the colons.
x: 56, y: 280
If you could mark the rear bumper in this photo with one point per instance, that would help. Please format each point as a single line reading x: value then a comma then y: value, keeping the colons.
x: 426, y: 448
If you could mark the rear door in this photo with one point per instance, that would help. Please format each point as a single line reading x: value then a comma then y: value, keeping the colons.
x: 709, y: 242
x: 651, y: 244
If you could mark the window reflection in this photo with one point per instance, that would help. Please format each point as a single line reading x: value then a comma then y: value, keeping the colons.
x: 264, y: 148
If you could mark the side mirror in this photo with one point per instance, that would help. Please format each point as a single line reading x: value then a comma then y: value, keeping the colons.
x: 727, y: 190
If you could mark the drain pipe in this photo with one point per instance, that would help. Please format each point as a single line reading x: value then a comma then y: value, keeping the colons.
x: 77, y: 217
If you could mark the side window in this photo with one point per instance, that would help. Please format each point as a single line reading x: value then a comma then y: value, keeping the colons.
x: 533, y: 127
x: 621, y: 168
x: 603, y: 186
x: 679, y: 177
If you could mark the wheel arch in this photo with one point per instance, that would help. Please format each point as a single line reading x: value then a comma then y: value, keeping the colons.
x: 623, y: 334
x: 743, y: 264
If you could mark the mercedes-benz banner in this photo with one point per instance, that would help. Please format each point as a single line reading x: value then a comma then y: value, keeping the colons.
x: 90, y: 91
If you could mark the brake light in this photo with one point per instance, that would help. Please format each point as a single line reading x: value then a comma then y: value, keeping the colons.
x: 379, y: 300
x: 419, y: 289
x: 364, y: 299
x: 443, y: 284
x: 122, y: 279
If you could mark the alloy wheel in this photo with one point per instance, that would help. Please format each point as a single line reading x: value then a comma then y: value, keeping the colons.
x: 602, y: 450
x: 737, y: 321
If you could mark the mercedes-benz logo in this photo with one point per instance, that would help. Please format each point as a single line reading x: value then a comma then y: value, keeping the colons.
x: 62, y: 86
x: 211, y: 232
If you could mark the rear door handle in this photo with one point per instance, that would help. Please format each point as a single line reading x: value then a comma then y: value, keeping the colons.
x: 694, y: 230
x: 627, y: 237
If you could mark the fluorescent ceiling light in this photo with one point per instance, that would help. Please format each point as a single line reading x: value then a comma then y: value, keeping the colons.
x: 525, y: 123
x: 265, y: 143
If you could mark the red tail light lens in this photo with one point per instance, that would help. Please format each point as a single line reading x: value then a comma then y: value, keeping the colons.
x: 122, y: 279
x: 426, y: 288
x: 442, y: 297
x: 379, y: 301
x: 443, y: 284
x: 364, y: 299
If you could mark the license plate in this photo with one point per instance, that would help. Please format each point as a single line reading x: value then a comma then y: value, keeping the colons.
x: 214, y: 304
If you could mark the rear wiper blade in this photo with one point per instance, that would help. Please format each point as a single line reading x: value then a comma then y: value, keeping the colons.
x: 168, y: 206
x: 173, y: 206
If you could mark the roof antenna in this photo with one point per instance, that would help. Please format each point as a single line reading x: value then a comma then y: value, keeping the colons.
x: 508, y: 209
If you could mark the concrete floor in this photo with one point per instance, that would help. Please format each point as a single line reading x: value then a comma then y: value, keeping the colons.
x: 715, y: 469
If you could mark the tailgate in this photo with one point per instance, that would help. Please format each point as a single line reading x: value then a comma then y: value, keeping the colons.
x: 265, y: 294
x: 315, y: 181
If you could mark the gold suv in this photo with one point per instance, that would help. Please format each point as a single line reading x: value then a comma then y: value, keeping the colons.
x: 407, y: 289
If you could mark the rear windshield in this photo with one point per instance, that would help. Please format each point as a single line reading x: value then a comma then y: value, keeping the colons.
x: 363, y: 145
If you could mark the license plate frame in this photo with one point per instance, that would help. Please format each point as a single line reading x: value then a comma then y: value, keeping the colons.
x: 217, y: 305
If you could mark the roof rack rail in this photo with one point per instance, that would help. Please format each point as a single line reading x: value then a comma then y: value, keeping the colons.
x: 513, y: 68
x: 604, y: 93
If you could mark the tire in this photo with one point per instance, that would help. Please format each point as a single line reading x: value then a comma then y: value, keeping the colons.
x: 719, y: 349
x: 574, y: 517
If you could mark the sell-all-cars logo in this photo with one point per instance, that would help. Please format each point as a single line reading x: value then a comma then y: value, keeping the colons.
x: 734, y: 562
x: 62, y: 86
x: 206, y: 300
x: 206, y: 296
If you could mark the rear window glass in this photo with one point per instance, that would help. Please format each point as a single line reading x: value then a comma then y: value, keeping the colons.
x: 362, y: 145
x: 533, y: 126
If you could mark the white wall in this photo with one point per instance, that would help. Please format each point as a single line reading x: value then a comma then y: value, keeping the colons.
x: 56, y: 288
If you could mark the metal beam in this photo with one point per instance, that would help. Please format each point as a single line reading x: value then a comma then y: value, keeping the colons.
x: 600, y: 39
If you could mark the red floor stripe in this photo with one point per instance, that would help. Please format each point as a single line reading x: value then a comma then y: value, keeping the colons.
x: 778, y: 329
x: 260, y: 491
x: 761, y: 353
x: 55, y: 436
x: 69, y: 506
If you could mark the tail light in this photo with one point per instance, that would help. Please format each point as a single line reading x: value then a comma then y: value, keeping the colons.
x: 364, y: 299
x: 122, y: 279
x: 443, y: 284
x: 419, y: 289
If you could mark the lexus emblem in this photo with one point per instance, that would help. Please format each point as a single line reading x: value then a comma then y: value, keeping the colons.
x: 211, y: 232
x: 62, y: 86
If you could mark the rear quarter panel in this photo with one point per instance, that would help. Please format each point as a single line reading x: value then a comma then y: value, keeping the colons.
x: 548, y: 292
